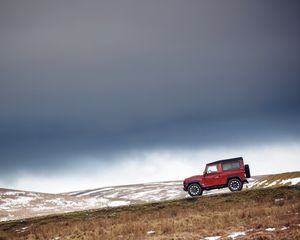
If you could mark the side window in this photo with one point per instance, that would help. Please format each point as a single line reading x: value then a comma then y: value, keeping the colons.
x: 230, y: 166
x: 212, y: 169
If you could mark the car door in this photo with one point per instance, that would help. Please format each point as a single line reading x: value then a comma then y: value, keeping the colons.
x: 228, y: 169
x: 212, y: 176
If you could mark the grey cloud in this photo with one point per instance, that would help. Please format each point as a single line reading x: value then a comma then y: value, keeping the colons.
x: 105, y: 77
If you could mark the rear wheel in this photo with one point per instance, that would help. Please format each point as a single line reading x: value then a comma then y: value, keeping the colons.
x: 194, y: 189
x: 235, y: 185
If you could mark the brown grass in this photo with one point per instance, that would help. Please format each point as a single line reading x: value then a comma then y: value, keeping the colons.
x: 218, y: 215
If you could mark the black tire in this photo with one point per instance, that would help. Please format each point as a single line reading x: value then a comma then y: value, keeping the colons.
x: 194, y: 189
x: 247, y: 171
x: 235, y: 185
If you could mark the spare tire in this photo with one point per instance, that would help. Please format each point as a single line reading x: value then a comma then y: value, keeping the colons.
x: 247, y: 171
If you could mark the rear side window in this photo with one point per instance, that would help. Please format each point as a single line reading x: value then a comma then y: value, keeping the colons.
x: 230, y: 166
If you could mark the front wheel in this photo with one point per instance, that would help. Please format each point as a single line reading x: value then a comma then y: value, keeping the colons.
x: 194, y: 190
x: 235, y: 185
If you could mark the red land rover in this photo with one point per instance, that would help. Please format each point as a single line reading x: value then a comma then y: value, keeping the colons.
x: 231, y: 173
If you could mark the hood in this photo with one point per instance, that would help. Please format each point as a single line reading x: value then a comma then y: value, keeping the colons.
x: 192, y: 178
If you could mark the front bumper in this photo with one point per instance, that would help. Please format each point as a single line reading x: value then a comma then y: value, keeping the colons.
x: 184, y: 186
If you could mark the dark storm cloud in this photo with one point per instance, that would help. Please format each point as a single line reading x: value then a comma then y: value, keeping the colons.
x: 103, y: 77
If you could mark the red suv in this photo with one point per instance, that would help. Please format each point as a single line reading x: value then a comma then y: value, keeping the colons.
x: 231, y: 173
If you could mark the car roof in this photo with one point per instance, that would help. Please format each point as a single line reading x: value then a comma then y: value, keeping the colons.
x: 226, y: 160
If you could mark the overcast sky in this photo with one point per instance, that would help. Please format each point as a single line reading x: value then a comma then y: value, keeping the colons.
x: 97, y: 93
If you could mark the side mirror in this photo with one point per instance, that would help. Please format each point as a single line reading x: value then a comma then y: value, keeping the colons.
x: 204, y: 173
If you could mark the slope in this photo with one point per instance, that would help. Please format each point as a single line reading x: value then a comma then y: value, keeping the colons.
x: 271, y: 213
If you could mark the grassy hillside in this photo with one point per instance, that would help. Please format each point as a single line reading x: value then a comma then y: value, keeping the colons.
x: 271, y: 213
x: 277, y: 180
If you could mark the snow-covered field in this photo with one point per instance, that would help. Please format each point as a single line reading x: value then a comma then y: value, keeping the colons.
x: 23, y: 204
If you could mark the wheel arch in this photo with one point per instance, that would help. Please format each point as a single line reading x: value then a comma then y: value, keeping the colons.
x: 232, y: 177
x: 195, y: 181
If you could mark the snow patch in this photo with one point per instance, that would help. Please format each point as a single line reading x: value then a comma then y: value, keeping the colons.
x: 118, y: 203
x: 270, y: 229
x: 20, y: 201
x: 112, y: 195
x: 4, y: 219
x: 234, y: 235
x: 293, y: 181
x: 279, y: 199
x: 12, y: 193
x: 91, y: 192
x: 94, y: 201
x: 151, y: 232
x: 272, y: 183
x: 41, y: 208
x: 261, y: 183
x: 21, y: 229
x: 213, y: 238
